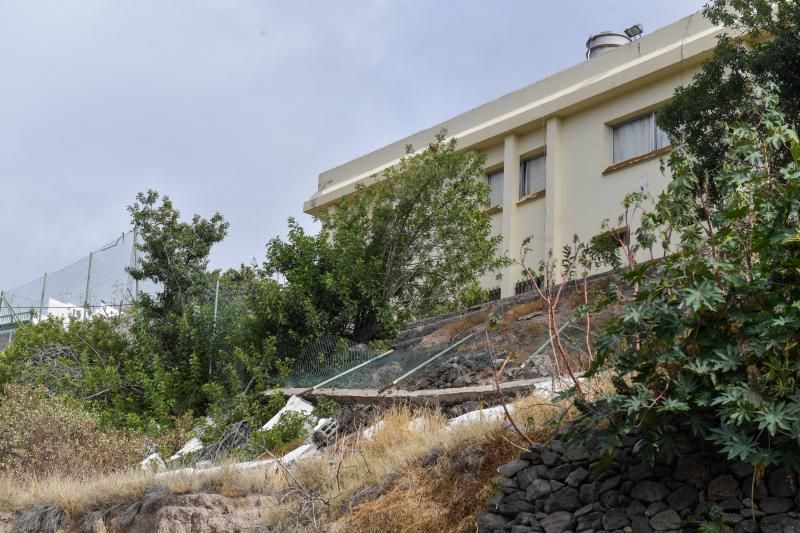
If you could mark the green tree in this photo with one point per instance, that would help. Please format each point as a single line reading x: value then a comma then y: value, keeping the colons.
x: 410, y: 243
x: 761, y: 44
x: 175, y: 253
x: 706, y: 343
x: 174, y: 328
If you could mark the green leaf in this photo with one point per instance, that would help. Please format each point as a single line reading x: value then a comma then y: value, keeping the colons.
x: 795, y: 150
x: 727, y: 359
x: 735, y: 444
x: 703, y: 295
x: 774, y: 416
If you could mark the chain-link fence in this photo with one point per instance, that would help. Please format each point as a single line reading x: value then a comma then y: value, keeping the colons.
x: 386, y: 370
x: 548, y: 359
x: 98, y: 283
x: 327, y: 358
x: 342, y: 364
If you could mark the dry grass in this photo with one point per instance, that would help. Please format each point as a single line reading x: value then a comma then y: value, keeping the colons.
x: 73, y: 495
x: 42, y: 435
x: 415, y: 464
x: 524, y: 309
x: 446, y: 494
x: 458, y: 327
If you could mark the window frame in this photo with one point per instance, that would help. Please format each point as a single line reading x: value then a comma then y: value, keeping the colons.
x: 489, y: 176
x: 523, y: 177
x: 653, y: 127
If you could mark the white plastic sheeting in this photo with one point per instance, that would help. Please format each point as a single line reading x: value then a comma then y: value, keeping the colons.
x: 152, y: 463
x: 291, y: 457
x: 417, y: 424
x: 295, y: 404
x: 194, y: 445
x: 490, y: 414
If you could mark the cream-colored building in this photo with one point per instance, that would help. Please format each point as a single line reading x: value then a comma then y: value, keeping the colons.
x: 563, y: 152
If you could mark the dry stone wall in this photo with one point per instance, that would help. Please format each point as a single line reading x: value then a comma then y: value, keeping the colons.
x: 568, y: 488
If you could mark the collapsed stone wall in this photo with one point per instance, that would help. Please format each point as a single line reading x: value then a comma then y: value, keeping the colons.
x: 473, y: 368
x: 564, y: 488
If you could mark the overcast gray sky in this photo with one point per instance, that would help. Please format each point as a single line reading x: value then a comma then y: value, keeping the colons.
x: 237, y: 106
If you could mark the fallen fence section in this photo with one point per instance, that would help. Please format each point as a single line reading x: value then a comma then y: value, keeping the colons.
x: 427, y: 362
x: 431, y: 397
x: 328, y: 358
x: 390, y: 367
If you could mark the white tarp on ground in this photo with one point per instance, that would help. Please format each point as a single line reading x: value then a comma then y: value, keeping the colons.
x: 297, y: 453
x: 295, y: 404
x: 491, y: 414
x: 416, y: 424
x: 371, y: 430
x: 302, y: 451
x: 192, y: 446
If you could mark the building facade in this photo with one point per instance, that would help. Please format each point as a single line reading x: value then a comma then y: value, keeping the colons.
x: 563, y: 152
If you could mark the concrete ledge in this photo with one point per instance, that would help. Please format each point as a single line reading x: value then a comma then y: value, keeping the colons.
x: 428, y: 397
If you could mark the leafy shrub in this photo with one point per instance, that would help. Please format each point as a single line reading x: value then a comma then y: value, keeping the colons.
x: 254, y: 410
x: 170, y: 439
x: 326, y: 407
x: 474, y: 294
x: 42, y: 435
x: 706, y: 345
x: 377, y: 261
x: 289, y: 429
x: 95, y: 362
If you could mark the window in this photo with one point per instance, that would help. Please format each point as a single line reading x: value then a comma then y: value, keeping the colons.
x: 609, y: 243
x: 495, y: 188
x: 636, y: 137
x: 621, y: 236
x: 532, y: 175
x: 528, y: 285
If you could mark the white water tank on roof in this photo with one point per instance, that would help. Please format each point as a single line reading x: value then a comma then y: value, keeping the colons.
x: 604, y: 42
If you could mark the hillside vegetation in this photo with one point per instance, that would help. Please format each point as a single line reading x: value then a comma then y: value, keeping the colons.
x: 696, y: 347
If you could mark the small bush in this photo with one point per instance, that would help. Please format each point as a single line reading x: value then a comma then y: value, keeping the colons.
x: 254, y: 410
x: 289, y: 429
x: 41, y: 435
x: 326, y: 407
x: 172, y: 438
x: 705, y: 347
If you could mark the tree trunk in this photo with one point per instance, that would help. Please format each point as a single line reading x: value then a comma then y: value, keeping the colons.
x: 366, y: 327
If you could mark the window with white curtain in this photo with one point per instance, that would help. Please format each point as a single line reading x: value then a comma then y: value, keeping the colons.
x: 532, y: 175
x: 495, y: 188
x: 636, y: 137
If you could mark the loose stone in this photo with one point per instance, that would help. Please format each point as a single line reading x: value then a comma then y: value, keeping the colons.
x: 557, y: 522
x: 782, y: 483
x: 722, y: 487
x: 666, y: 520
x: 649, y: 491
x: 509, y: 469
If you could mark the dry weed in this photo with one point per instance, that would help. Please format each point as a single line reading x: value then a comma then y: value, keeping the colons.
x: 457, y: 328
x: 416, y: 472
x: 524, y: 309
x: 444, y: 496
x: 42, y: 435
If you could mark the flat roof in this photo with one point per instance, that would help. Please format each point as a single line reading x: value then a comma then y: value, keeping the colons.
x: 673, y: 48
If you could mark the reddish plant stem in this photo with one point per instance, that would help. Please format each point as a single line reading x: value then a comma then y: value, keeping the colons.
x: 497, y: 374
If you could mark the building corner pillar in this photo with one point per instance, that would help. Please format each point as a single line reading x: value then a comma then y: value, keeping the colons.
x: 510, y: 223
x: 554, y: 183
